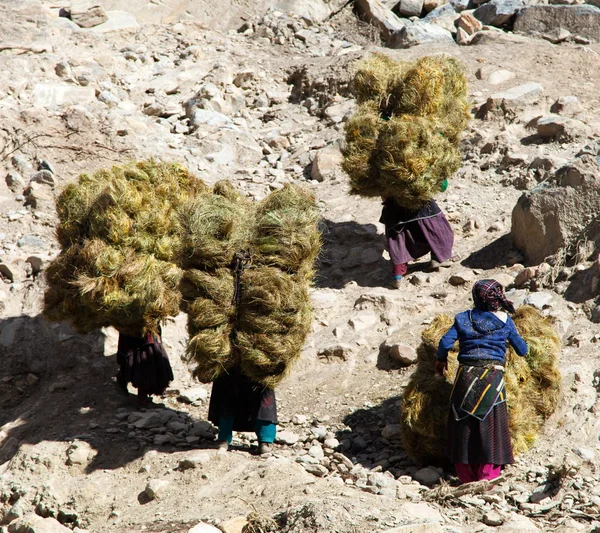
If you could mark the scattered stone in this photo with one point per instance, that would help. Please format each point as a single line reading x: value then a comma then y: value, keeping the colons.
x: 498, y: 12
x: 155, y: 488
x: 566, y: 106
x: 234, y: 525
x: 540, y: 300
x: 463, y: 278
x: 88, y: 18
x: 376, y: 13
x: 561, y: 129
x: 509, y: 101
x: 517, y: 524
x: 526, y: 275
x: 203, y: 527
x: 468, y: 23
x: 31, y: 241
x: 332, y: 443
x: 33, y: 523
x: 286, y: 437
x: 421, y: 33
x: 337, y: 351
x: 299, y: 419
x: 585, y: 453
x: 315, y: 469
x: 392, y: 432
x: 403, y: 354
x: 195, y: 395
x: 500, y: 76
x: 427, y: 476
x: 493, y: 518
x: 363, y: 321
x: 78, y: 453
x: 326, y: 161
x: 410, y: 8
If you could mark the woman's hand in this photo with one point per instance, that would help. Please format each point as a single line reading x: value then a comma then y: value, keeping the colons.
x: 440, y: 366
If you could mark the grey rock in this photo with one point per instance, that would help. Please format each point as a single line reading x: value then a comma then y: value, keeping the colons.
x: 33, y: 523
x: 195, y: 461
x: 539, y: 300
x: 562, y: 129
x: 14, y: 181
x: 44, y: 177
x: 460, y: 5
x: 392, y: 432
x: 404, y: 354
x: 376, y: 13
x: 286, y: 437
x: 194, y: 395
x: 508, y: 102
x: 316, y: 470
x: 63, y: 70
x: 581, y: 20
x: 585, y: 453
x: 427, y: 476
x: 319, y: 432
x: 440, y: 12
x: 88, y: 18
x: 299, y: 419
x: 493, y: 518
x: 421, y: 33
x: 155, y: 488
x: 117, y: 21
x: 326, y: 161
x: 410, y: 8
x: 462, y: 278
x: 204, y: 117
x: 498, y: 12
x: 31, y: 241
x: 108, y: 98
x: 566, y: 105
x: 203, y: 527
x: 336, y: 351
x: 331, y: 443
x: 316, y: 452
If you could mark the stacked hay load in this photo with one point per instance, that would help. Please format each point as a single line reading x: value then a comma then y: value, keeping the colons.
x: 533, y: 387
x: 403, y: 141
x: 119, y: 240
x: 246, y: 285
x: 215, y: 227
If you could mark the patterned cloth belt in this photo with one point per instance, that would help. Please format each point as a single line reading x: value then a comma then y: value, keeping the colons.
x: 476, y: 390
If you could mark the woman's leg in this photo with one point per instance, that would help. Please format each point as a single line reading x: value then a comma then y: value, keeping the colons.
x: 465, y: 473
x: 226, y: 429
x: 265, y: 431
x: 488, y: 471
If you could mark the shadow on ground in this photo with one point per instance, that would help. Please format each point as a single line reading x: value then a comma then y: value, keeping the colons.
x: 493, y: 255
x: 354, y: 252
x: 57, y: 386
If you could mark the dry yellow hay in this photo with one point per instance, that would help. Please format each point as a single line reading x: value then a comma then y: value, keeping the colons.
x: 403, y: 140
x: 533, y: 387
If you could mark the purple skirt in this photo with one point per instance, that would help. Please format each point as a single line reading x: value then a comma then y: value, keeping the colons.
x: 416, y: 239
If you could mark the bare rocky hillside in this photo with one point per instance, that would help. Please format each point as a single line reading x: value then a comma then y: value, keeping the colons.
x: 258, y: 93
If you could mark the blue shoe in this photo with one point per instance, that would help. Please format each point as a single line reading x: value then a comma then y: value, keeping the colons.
x: 396, y: 281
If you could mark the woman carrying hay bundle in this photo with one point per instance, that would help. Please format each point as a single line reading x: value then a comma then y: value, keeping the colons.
x: 478, y: 430
x: 239, y: 404
x: 413, y: 233
x: 144, y: 363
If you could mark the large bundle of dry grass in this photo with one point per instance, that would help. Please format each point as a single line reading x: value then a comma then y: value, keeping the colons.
x: 120, y: 237
x: 403, y: 140
x: 245, y: 289
x: 533, y: 386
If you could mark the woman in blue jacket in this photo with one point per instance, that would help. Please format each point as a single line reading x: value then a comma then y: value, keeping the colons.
x: 479, y: 438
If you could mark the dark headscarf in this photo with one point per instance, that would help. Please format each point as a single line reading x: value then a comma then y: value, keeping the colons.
x: 488, y: 295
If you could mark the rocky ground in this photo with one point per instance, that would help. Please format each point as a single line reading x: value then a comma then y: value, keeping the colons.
x: 260, y: 96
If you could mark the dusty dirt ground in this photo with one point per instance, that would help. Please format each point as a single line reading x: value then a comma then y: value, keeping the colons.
x: 57, y: 395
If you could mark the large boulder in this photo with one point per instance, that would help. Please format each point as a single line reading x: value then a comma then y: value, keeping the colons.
x: 498, y: 12
x: 582, y: 20
x: 559, y: 216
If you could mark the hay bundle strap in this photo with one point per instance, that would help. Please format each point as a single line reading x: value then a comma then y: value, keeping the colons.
x: 241, y: 261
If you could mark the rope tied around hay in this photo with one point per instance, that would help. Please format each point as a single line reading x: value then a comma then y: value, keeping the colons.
x: 241, y: 260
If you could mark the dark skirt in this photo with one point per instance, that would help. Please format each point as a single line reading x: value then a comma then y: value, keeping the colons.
x: 478, y: 429
x: 413, y: 234
x: 144, y: 363
x: 234, y: 394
